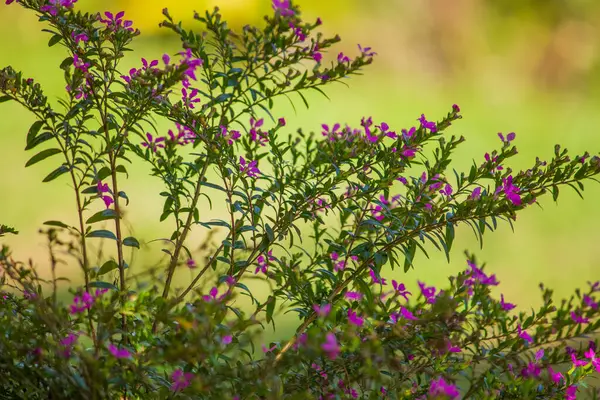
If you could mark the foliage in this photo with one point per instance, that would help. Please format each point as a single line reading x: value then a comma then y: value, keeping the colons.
x: 370, y: 196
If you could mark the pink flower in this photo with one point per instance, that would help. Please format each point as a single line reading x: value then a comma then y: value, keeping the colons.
x: 226, y: 339
x: 353, y: 296
x: 281, y: 121
x: 440, y: 387
x: 428, y: 292
x: 588, y: 301
x: 212, y: 296
x: 331, y: 346
x: 250, y: 168
x: 189, y: 99
x: 524, y: 335
x: 118, y: 353
x: 191, y: 264
x: 153, y: 144
x: 571, y: 393
x: 181, y: 380
x: 578, y: 319
x: 366, y: 51
x: 475, y: 194
x: 509, y: 138
x: 263, y: 264
x: 427, y: 124
x: 322, y: 311
x: 400, y: 289
x: 505, y: 306
x: 555, y: 377
x: 114, y: 22
x: 341, y: 58
x: 355, y: 319
x: 283, y: 7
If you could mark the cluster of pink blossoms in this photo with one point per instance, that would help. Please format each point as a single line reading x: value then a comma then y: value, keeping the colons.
x: 249, y: 168
x: 263, y: 262
x: 85, y: 301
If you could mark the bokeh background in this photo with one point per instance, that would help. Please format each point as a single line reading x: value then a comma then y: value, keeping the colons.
x: 528, y: 66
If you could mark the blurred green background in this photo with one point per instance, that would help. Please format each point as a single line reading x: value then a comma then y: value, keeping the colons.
x: 528, y: 66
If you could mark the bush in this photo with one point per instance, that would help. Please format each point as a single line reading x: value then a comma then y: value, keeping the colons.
x: 317, y: 217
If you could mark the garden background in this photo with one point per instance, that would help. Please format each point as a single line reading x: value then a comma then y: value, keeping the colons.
x: 528, y: 66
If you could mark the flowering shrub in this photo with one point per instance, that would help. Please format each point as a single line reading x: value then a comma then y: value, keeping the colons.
x: 138, y: 336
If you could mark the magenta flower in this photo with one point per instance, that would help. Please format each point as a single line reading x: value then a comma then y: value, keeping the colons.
x: 366, y: 51
x: 342, y: 58
x: 331, y: 346
x: 475, y: 194
x: 510, y: 190
x: 189, y: 99
x: 227, y: 339
x: 455, y: 108
x: 80, y: 64
x: 571, y: 393
x: 212, y: 296
x: 191, y: 63
x: 79, y: 37
x: 509, y: 138
x: 524, y: 335
x: 427, y: 124
x: 249, y: 168
x: 283, y: 7
x: 67, y: 343
x: 477, y: 275
x: 355, y: 319
x: 375, y: 278
x: 191, y: 264
x: 447, y: 190
x: 355, y: 296
x: 578, y: 319
x: 263, y: 263
x: 10, y: 1
x: 505, y: 306
x: 555, y: 377
x: 181, y: 380
x: 428, y: 292
x: 401, y: 289
x: 317, y: 56
x: 231, y: 136
x: 103, y: 188
x: 118, y: 353
x: 591, y: 355
x: 576, y: 362
x: 184, y: 136
x: 532, y: 370
x: 54, y: 6
x: 256, y: 134
x: 115, y: 22
x: 153, y: 144
x: 322, y: 311
x: 588, y: 301
x: 439, y: 387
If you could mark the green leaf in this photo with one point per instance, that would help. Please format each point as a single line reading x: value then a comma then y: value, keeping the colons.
x: 33, y: 131
x: 41, y: 156
x: 102, y: 216
x: 102, y: 233
x: 5, y: 98
x: 38, y: 140
x: 270, y: 308
x: 107, y: 267
x: 270, y: 233
x: 131, y: 242
x: 103, y: 285
x: 56, y: 173
x: 56, y: 223
x: 53, y: 40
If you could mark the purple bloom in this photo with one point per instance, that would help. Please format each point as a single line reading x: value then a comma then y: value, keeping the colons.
x: 355, y: 319
x: 400, y: 289
x: 322, y: 311
x: 578, y: 319
x: 263, y: 263
x: 447, y: 190
x: 366, y: 51
x: 189, y: 99
x: 191, y: 264
x: 67, y: 344
x: 510, y: 190
x: 154, y: 144
x: 475, y: 194
x: 181, y: 380
x: 428, y: 292
x: 232, y: 136
x: 555, y: 377
x: 256, y: 134
x: 509, y: 138
x: 588, y: 301
x: 54, y: 6
x: 118, y: 353
x: 353, y: 296
x: 427, y: 124
x: 440, y: 387
x: 455, y: 108
x: 226, y: 339
x: 331, y: 346
x: 506, y: 306
x: 281, y: 121
x: 571, y: 393
x: 342, y: 58
x: 114, y: 22
x: 524, y: 335
x: 283, y: 7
